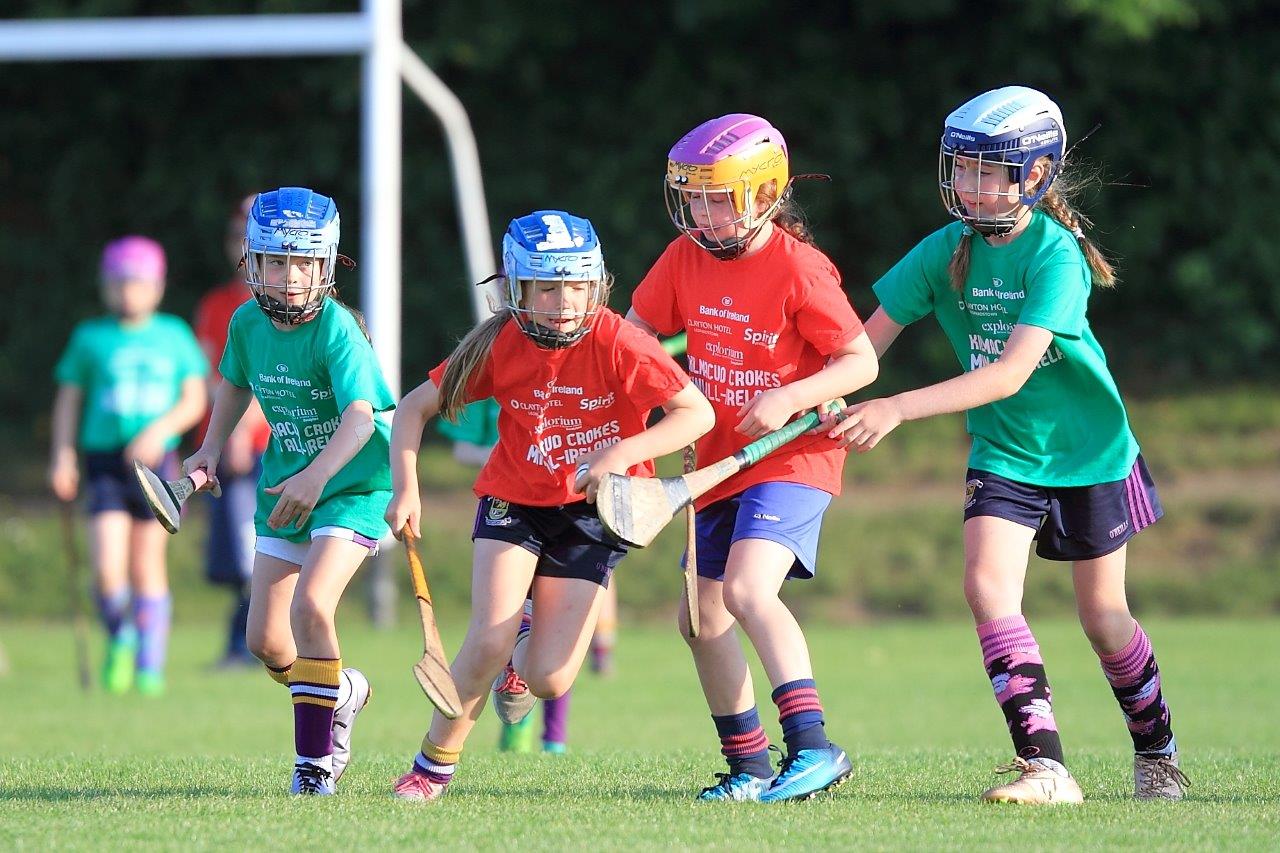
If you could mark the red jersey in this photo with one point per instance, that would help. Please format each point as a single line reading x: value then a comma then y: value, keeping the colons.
x: 213, y: 316
x: 753, y: 323
x: 558, y: 405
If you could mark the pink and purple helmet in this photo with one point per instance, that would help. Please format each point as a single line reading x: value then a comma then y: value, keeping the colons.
x: 734, y: 156
x: 133, y: 257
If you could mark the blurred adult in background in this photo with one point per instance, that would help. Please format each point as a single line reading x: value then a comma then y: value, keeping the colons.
x: 229, y: 547
x: 129, y: 385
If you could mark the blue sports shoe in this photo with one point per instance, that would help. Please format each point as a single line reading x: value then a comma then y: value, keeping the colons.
x: 808, y: 773
x: 311, y: 780
x: 740, y: 788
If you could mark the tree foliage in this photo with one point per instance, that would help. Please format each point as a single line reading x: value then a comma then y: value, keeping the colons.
x: 575, y: 106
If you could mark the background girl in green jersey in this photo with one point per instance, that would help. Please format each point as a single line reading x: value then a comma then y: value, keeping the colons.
x: 1053, y: 458
x: 129, y: 385
x: 326, y: 478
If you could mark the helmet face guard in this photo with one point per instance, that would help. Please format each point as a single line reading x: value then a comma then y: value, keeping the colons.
x: 289, y: 227
x: 723, y: 164
x: 1010, y: 129
x: 552, y: 246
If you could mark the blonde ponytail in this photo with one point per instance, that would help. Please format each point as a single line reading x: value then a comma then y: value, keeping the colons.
x: 469, y: 355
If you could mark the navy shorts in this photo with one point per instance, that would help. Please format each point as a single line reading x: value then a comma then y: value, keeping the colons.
x: 113, y: 487
x: 569, y: 540
x: 1072, y: 523
x: 787, y: 513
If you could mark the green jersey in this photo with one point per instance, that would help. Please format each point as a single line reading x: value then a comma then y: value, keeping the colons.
x: 1066, y: 426
x: 304, y: 379
x: 130, y: 375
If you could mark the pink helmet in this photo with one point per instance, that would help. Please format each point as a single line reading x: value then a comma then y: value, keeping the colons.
x: 133, y: 257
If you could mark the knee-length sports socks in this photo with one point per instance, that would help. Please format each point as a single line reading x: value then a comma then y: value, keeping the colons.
x: 1135, y: 681
x: 314, y: 685
x: 1012, y: 659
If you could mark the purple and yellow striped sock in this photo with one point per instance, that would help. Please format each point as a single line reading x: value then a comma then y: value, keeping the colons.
x: 1135, y: 681
x: 436, y: 763
x: 743, y: 743
x: 280, y: 675
x: 314, y: 685
x: 152, y: 615
x: 800, y: 712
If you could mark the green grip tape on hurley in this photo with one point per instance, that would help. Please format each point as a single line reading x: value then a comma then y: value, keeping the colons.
x: 762, y: 447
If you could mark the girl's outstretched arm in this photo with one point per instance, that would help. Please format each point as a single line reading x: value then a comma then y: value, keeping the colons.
x: 418, y: 406
x: 866, y: 423
x: 882, y: 331
x: 688, y: 417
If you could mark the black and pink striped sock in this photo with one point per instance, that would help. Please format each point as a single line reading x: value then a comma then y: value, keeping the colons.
x: 1012, y: 659
x: 744, y: 743
x: 1135, y: 680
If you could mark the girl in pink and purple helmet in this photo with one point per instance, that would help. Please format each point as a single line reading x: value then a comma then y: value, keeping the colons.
x: 770, y: 333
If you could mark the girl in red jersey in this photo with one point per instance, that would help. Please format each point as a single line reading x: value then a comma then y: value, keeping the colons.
x: 575, y: 384
x: 770, y: 333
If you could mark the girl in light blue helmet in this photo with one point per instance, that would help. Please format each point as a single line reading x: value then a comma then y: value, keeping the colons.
x: 1053, y: 457
x: 575, y: 383
x: 325, y: 478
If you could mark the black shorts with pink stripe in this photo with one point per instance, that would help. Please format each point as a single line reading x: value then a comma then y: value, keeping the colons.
x: 1071, y: 523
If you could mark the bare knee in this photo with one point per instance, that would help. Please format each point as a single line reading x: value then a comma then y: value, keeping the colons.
x: 989, y: 595
x: 547, y: 684
x: 744, y: 602
x: 272, y: 653
x: 713, y: 621
x: 488, y: 648
x: 1109, y: 629
x: 309, y: 618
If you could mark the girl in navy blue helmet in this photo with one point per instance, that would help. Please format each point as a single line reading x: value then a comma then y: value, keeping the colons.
x: 1053, y: 458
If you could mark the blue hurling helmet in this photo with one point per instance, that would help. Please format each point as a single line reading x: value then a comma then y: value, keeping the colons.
x: 552, y: 245
x: 290, y: 224
x: 1011, y: 127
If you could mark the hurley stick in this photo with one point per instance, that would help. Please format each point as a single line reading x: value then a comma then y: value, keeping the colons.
x: 432, y: 672
x: 691, y: 551
x: 166, y: 497
x: 635, y: 509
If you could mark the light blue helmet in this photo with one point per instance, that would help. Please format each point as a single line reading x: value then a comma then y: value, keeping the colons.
x: 552, y: 245
x: 289, y: 224
x: 1013, y: 127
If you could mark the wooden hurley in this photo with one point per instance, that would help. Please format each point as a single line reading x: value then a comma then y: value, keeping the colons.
x: 166, y: 497
x: 691, y: 551
x: 432, y: 672
x: 635, y: 509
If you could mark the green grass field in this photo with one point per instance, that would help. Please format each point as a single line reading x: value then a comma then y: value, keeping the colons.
x: 206, y: 766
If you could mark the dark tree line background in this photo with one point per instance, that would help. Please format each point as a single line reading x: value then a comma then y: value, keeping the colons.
x: 575, y: 106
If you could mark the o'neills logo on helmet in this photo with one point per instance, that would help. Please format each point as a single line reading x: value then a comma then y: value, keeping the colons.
x: 955, y: 134
x: 1039, y: 138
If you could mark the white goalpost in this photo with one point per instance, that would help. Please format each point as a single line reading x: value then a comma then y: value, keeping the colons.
x: 375, y: 35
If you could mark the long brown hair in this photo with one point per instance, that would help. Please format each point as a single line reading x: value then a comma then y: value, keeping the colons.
x: 1056, y: 203
x: 466, y: 358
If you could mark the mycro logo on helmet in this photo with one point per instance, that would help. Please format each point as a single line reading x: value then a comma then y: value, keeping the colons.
x: 1040, y: 138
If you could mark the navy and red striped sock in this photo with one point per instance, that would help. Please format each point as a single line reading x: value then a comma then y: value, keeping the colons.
x: 744, y: 743
x: 800, y: 712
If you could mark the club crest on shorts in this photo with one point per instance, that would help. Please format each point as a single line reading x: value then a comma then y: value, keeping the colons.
x: 497, y: 514
x: 971, y: 492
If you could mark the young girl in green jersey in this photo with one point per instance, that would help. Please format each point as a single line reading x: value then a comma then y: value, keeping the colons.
x: 129, y: 385
x: 1053, y: 457
x: 326, y: 477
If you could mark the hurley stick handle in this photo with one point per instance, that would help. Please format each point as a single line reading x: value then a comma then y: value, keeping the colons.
x: 762, y: 447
